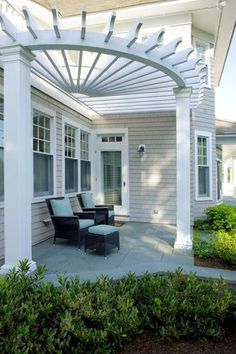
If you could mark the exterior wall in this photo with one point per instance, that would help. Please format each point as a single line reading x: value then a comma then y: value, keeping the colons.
x: 152, y: 177
x: 203, y: 119
x: 40, y: 231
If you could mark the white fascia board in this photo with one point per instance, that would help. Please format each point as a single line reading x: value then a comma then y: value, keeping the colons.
x: 144, y: 10
x: 202, y: 35
x: 59, y: 95
x: 224, y: 37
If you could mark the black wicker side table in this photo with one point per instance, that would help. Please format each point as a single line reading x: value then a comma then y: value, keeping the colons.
x: 102, y: 238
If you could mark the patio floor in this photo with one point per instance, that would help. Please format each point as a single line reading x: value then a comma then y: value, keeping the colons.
x: 143, y: 247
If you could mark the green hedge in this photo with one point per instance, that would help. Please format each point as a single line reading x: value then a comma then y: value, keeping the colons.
x: 221, y: 217
x: 221, y: 222
x: 99, y: 317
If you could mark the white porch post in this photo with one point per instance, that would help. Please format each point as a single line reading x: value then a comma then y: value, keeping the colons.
x: 234, y: 177
x: 17, y: 156
x: 183, y: 237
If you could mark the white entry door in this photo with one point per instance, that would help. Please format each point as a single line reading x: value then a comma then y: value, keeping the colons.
x: 112, y: 178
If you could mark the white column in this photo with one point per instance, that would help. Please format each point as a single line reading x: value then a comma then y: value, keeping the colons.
x: 183, y: 187
x: 234, y: 176
x: 18, y: 172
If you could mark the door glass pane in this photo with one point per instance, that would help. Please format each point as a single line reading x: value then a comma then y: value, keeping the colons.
x: 111, y: 166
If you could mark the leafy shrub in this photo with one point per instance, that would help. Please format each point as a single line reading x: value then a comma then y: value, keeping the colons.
x: 201, y: 225
x: 203, y: 248
x: 221, y: 217
x: 225, y: 246
x: 183, y: 306
x: 99, y: 317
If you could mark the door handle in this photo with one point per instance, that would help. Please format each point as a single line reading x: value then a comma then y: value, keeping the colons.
x: 124, y: 183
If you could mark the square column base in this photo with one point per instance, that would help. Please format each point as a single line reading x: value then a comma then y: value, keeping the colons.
x: 187, y: 245
x: 6, y: 268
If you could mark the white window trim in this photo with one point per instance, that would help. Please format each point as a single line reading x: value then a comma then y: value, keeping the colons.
x: 52, y: 114
x: 67, y: 121
x: 78, y: 127
x: 207, y: 57
x: 89, y: 132
x: 208, y: 135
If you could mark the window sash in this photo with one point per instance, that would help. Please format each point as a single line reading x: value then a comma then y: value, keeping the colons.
x: 43, y: 174
x: 70, y: 141
x: 41, y: 132
x: 84, y: 146
x: 71, y: 175
x: 203, y: 166
x: 203, y: 181
x: 85, y: 175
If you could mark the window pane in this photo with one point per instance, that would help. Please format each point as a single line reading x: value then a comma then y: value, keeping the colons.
x: 35, y: 118
x: 85, y: 175
x: 71, y: 175
x: 41, y: 133
x: 35, y: 131
x: 1, y: 173
x: 35, y: 145
x: 43, y: 175
x: 41, y: 120
x: 203, y: 181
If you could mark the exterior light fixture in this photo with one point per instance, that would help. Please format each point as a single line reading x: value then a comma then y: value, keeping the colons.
x: 141, y: 148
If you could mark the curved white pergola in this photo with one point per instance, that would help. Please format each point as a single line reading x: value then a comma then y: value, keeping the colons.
x: 109, y: 74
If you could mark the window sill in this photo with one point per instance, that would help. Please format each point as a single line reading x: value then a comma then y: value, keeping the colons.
x: 203, y: 199
x: 70, y: 195
x: 41, y: 199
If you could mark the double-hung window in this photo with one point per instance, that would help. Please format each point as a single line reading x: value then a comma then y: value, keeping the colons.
x: 71, y: 161
x: 42, y: 151
x: 1, y: 150
x: 85, y: 163
x: 203, y: 166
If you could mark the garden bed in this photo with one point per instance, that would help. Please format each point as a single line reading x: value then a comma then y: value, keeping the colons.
x: 213, y: 263
x: 148, y: 343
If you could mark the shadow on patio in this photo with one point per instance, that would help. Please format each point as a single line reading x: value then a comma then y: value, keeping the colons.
x: 144, y: 247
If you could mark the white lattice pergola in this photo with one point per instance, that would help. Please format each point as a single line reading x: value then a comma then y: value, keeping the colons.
x: 109, y: 74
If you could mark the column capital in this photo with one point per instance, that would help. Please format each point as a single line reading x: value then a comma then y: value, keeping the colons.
x: 16, y: 52
x: 183, y: 92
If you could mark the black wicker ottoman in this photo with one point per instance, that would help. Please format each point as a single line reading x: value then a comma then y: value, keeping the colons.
x: 102, y: 238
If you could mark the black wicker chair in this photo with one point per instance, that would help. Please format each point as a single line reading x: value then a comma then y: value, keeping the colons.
x: 106, y: 210
x: 69, y: 227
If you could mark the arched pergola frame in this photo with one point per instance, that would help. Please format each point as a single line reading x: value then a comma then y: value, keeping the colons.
x: 121, y: 72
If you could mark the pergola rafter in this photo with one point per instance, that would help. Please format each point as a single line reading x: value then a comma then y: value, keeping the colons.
x: 115, y: 66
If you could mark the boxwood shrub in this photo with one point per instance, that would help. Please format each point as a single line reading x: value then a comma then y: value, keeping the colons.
x: 99, y: 317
